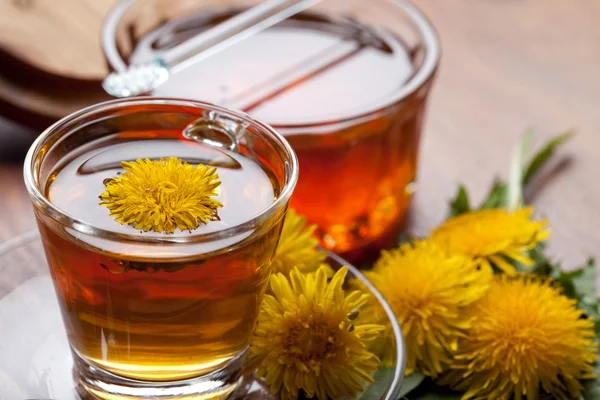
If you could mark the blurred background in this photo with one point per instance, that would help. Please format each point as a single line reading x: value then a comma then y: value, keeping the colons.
x: 507, y: 65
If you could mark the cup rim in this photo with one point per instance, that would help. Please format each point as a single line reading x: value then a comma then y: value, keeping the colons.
x: 415, y: 83
x: 62, y: 217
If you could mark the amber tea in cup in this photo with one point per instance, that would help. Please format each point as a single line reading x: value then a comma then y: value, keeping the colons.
x: 152, y: 314
x: 346, y: 83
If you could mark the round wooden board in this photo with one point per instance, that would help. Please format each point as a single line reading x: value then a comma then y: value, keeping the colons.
x: 58, y: 37
x: 52, y: 60
x: 37, y: 108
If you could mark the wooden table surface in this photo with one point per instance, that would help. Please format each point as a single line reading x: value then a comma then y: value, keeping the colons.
x: 507, y: 65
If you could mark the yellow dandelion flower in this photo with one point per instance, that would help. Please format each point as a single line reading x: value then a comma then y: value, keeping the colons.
x: 427, y: 290
x: 526, y: 338
x: 306, y: 338
x: 492, y: 237
x: 296, y: 247
x: 162, y: 195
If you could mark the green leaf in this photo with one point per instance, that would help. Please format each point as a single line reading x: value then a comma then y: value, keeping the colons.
x: 460, y: 204
x: 495, y: 197
x: 409, y: 383
x: 404, y: 237
x: 514, y: 194
x: 565, y: 279
x: 501, y: 194
x: 580, y: 284
x: 542, y: 265
x: 591, y: 387
x: 381, y: 382
x: 542, y: 156
x: 584, y: 279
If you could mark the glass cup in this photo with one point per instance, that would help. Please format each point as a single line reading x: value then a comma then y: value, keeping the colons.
x: 346, y: 82
x: 151, y: 315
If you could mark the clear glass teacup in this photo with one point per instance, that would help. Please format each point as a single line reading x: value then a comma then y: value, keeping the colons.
x: 152, y: 314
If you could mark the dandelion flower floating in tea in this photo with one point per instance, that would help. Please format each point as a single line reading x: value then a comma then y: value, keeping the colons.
x: 526, y: 338
x: 296, y: 247
x: 427, y: 290
x: 307, y: 339
x: 162, y: 195
x: 492, y: 237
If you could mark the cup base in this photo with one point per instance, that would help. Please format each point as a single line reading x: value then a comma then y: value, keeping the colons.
x: 96, y: 384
